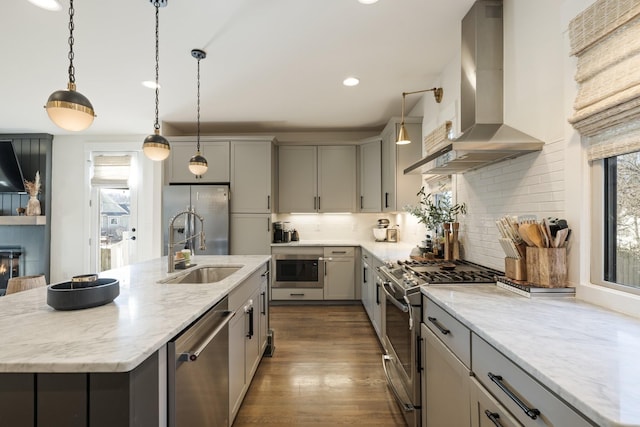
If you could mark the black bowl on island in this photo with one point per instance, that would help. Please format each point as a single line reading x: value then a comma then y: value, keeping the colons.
x: 76, y: 295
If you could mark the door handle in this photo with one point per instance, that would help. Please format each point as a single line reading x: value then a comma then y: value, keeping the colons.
x: 192, y: 356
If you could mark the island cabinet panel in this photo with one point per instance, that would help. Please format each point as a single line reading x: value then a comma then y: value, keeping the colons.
x: 125, y: 398
x: 17, y: 397
x: 61, y: 400
x: 82, y: 399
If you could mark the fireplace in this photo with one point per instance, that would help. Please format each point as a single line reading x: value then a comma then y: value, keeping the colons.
x: 9, y: 265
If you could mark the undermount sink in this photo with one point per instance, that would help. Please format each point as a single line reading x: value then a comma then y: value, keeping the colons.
x: 204, y: 274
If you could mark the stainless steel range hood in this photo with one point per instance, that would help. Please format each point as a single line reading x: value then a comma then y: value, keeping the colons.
x: 485, y: 139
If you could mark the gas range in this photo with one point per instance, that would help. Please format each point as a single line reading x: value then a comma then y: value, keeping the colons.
x: 412, y: 273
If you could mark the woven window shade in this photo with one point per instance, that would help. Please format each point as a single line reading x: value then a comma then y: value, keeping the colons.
x: 437, y: 139
x: 606, y: 40
x: 111, y: 171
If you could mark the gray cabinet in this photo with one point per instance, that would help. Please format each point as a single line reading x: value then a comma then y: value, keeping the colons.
x: 486, y: 411
x: 182, y: 149
x: 398, y: 189
x: 246, y: 343
x: 525, y: 398
x: 250, y: 234
x: 316, y: 179
x: 370, y: 182
x: 251, y: 176
x: 339, y: 282
x: 371, y: 293
x: 446, y: 352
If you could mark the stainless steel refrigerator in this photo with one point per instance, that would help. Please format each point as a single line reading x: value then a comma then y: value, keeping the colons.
x: 211, y: 202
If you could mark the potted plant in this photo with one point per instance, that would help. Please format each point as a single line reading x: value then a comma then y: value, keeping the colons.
x: 437, y: 213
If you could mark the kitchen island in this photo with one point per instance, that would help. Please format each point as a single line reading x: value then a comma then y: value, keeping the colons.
x: 124, y: 339
x: 583, y: 354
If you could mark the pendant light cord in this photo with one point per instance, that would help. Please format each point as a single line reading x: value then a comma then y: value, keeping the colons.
x: 198, y: 122
x: 72, y: 70
x: 157, y: 6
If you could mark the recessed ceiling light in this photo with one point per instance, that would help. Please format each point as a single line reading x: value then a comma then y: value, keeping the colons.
x: 150, y: 84
x: 351, y: 81
x: 368, y: 1
x: 52, y: 5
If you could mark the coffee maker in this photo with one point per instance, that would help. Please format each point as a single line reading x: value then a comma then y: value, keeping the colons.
x: 281, y: 232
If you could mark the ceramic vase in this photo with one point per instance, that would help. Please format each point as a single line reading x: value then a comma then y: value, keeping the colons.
x: 33, y: 206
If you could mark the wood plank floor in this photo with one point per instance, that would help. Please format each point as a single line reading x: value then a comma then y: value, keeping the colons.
x: 326, y: 371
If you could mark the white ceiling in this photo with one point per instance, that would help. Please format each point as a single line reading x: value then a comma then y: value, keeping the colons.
x: 271, y: 64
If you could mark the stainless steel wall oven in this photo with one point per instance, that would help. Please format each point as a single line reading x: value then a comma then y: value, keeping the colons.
x: 298, y: 271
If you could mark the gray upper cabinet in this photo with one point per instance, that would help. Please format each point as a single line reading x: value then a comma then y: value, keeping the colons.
x: 216, y: 153
x: 317, y: 179
x: 370, y: 177
x: 251, y: 176
x: 398, y: 189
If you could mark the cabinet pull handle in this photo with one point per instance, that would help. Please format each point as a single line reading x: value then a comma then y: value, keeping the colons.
x: 493, y: 416
x: 249, y: 311
x: 268, y: 225
x: 268, y: 202
x: 386, y: 200
x: 531, y: 412
x: 441, y: 328
x: 318, y: 202
x: 364, y: 274
x: 264, y: 302
x: 296, y: 295
x: 338, y: 252
x: 361, y: 202
x: 314, y: 203
x: 377, y: 293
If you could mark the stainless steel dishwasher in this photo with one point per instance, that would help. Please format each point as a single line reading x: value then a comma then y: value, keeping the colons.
x: 198, y: 376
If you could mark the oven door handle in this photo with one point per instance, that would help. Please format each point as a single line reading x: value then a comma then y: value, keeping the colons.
x: 407, y: 407
x: 393, y: 299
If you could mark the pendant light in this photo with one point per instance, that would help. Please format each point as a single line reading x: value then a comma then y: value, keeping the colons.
x: 403, y: 135
x: 155, y: 146
x: 198, y: 164
x: 70, y: 109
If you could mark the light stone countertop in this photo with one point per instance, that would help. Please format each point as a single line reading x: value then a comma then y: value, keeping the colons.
x: 118, y: 336
x: 585, y: 354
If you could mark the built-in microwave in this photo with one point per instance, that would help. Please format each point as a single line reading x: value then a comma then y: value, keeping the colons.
x: 298, y: 271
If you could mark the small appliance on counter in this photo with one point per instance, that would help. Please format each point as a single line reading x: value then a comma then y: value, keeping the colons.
x: 282, y: 232
x: 381, y: 232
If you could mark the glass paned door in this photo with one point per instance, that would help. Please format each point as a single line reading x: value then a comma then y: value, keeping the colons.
x: 117, y: 233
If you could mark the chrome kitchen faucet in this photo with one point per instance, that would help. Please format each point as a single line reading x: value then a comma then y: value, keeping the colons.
x: 188, y: 236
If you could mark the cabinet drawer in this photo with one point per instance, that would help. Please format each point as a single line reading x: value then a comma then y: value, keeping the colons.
x: 520, y: 394
x: 454, y: 334
x: 240, y: 294
x: 485, y: 409
x: 341, y: 251
x: 297, y: 294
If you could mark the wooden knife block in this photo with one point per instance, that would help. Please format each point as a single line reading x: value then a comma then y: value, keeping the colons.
x: 515, y: 269
x: 547, y: 267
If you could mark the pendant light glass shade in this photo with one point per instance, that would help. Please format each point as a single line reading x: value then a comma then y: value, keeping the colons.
x: 198, y: 164
x: 69, y: 109
x: 155, y: 146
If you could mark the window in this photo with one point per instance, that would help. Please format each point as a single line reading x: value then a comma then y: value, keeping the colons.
x: 621, y: 238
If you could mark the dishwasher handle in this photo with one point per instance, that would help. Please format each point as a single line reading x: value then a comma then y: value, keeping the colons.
x: 192, y: 356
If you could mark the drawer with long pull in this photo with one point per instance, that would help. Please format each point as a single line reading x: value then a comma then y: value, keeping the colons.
x: 339, y: 251
x: 487, y: 411
x: 528, y: 401
x: 453, y: 334
x: 297, y: 294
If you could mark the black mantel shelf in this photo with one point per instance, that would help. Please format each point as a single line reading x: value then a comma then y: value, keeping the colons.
x: 23, y: 220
